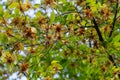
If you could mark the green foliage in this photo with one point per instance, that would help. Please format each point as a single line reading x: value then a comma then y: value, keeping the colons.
x: 52, y: 17
x: 13, y: 5
x: 1, y: 10
x: 60, y: 39
x: 3, y: 38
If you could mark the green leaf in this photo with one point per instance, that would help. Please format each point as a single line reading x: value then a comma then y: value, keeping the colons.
x: 116, y: 38
x: 54, y: 62
x: 83, y: 23
x: 52, y: 17
x: 69, y: 17
x: 1, y: 10
x: 10, y: 67
x: 13, y: 5
x: 17, y: 12
x: 36, y: 6
x: 116, y: 44
x: 64, y: 1
x: 38, y: 14
x: 3, y: 38
x: 92, y: 4
x: 6, y: 14
x: 82, y: 47
x: 59, y: 66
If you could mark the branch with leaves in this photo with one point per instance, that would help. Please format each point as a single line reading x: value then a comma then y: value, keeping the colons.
x: 114, y: 19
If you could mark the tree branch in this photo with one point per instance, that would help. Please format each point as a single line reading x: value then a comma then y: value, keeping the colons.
x: 98, y: 31
x: 114, y: 19
x: 102, y: 40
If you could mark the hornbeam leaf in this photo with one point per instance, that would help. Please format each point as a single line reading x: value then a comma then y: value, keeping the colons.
x: 13, y: 5
x: 52, y: 17
x: 116, y: 38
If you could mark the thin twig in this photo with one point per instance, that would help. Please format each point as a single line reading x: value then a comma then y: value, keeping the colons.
x: 114, y: 19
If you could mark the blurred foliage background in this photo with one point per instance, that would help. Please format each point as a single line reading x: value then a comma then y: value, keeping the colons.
x: 60, y: 39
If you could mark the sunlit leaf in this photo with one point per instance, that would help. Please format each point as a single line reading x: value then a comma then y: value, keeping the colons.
x: 52, y: 17
x: 14, y: 5
x: 38, y: 14
x: 6, y: 14
x: 54, y: 62
x: 36, y: 6
x: 83, y: 23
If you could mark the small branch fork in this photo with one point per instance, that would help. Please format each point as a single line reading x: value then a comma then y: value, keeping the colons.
x: 102, y: 40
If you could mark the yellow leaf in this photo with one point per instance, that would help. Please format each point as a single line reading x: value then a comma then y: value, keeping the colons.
x: 54, y: 62
x: 13, y: 5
